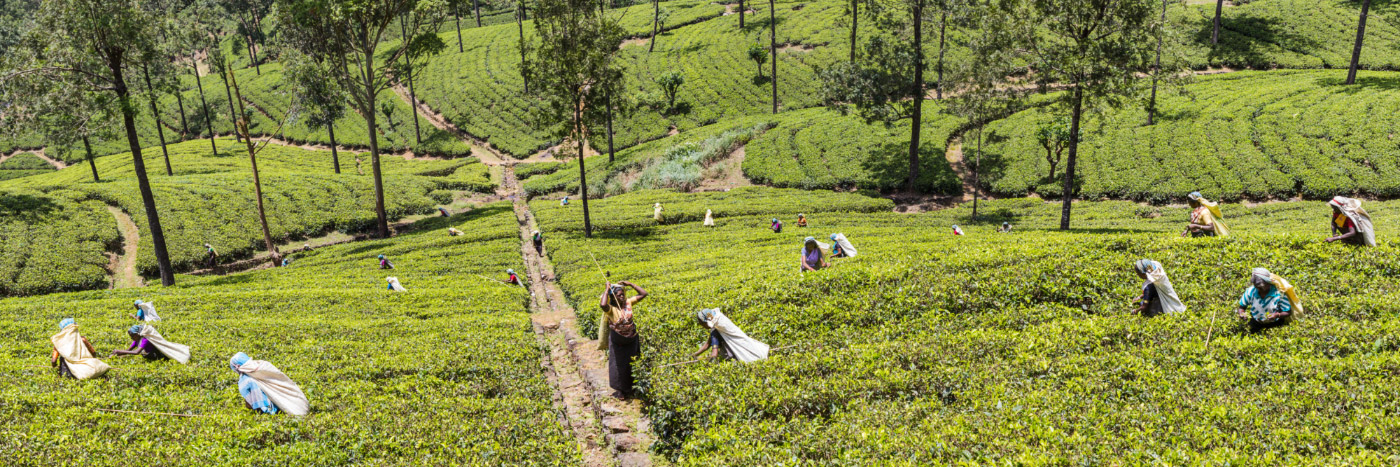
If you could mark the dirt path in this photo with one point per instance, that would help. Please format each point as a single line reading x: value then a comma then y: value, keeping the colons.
x: 609, y: 431
x: 57, y: 164
x: 488, y: 155
x: 955, y: 160
x: 123, y: 267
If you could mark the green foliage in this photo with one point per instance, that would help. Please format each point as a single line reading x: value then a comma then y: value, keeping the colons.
x: 988, y: 348
x: 1290, y: 34
x: 448, y: 370
x: 634, y: 210
x: 52, y: 242
x: 25, y: 161
x: 1249, y: 135
x: 670, y: 84
x: 822, y: 149
x: 759, y: 55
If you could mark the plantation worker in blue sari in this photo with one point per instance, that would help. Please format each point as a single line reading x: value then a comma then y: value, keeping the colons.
x: 266, y: 389
x: 841, y: 247
x: 1270, y: 301
x: 1206, y: 219
x: 145, y: 311
x: 1158, y: 296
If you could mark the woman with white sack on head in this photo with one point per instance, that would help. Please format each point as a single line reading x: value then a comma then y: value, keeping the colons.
x: 726, y: 340
x: 266, y: 389
x: 1158, y: 296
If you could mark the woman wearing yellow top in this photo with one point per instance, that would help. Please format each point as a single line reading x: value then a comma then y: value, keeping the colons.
x: 618, y: 335
x: 1206, y: 220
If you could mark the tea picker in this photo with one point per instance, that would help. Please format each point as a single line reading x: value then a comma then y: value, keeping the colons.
x: 147, y: 342
x: 812, y: 256
x: 776, y: 226
x: 841, y: 247
x: 394, y: 284
x: 384, y: 263
x: 801, y: 220
x: 443, y: 211
x: 453, y: 232
x: 1158, y: 295
x: 537, y: 239
x: 1269, y: 302
x: 145, y: 311
x: 512, y: 279
x: 726, y: 341
x: 1351, y: 224
x: 266, y: 389
x: 73, y: 354
x: 211, y: 256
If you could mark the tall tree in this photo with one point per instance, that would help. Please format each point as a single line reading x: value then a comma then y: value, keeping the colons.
x: 456, y: 7
x: 323, y: 99
x: 948, y: 11
x: 655, y: 24
x: 87, y: 46
x: 345, y: 35
x: 1215, y: 23
x: 773, y: 48
x: 408, y: 73
x: 192, y: 36
x: 247, y: 14
x: 577, y: 69
x: 476, y: 6
x: 741, y: 14
x: 219, y: 63
x: 887, y: 84
x: 241, y: 126
x: 522, y: 44
x: 151, y: 95
x: 1360, y: 36
x: 1094, y: 48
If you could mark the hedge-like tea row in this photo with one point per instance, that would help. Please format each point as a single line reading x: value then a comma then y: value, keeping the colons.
x: 1251, y: 135
x: 634, y: 210
x: 52, y: 242
x: 447, y: 372
x: 935, y: 349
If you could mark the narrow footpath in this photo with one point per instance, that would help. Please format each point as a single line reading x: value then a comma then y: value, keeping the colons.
x: 609, y: 431
x: 123, y: 267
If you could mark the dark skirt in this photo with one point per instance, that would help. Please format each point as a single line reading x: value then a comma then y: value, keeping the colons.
x: 621, y: 351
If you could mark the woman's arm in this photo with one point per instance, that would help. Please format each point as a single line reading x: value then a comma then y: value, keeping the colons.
x: 53, y: 357
x: 91, y: 350
x: 129, y: 350
x: 640, y: 293
x: 703, y: 348
x: 1349, y: 234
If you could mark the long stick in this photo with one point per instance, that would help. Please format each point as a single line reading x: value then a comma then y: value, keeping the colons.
x: 1211, y: 332
x: 606, y: 278
x: 149, y: 413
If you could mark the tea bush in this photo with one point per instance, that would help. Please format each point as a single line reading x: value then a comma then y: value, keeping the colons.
x: 634, y: 210
x: 445, y: 373
x: 933, y: 349
x: 52, y: 242
x: 1248, y: 135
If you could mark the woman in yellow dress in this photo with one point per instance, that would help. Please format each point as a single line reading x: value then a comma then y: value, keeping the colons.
x: 1206, y: 220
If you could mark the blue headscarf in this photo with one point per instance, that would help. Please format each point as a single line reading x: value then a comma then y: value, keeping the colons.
x: 135, y: 329
x: 704, y: 316
x: 381, y: 256
x: 238, y: 360
x: 65, y: 323
x: 138, y: 303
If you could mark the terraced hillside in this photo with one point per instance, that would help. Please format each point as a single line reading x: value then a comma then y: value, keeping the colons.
x: 1248, y: 135
x: 998, y: 348
x: 209, y: 200
x: 383, y: 371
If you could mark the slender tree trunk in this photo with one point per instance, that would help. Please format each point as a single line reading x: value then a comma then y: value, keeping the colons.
x: 184, y: 123
x: 242, y: 127
x: 1077, y: 112
x: 942, y: 50
x: 476, y: 5
x: 232, y: 114
x: 204, y: 103
x: 1360, y: 36
x: 855, y: 19
x: 916, y: 91
x: 456, y: 14
x: 582, y: 172
x: 520, y: 26
x: 382, y: 224
x: 160, y: 130
x: 1215, y: 24
x: 741, y: 14
x: 1156, y: 71
x: 148, y: 199
x: 253, y: 55
x: 773, y: 45
x: 977, y: 173
x: 92, y: 161
x: 655, y: 24
x: 335, y: 157
x: 611, y: 158
x: 413, y: 96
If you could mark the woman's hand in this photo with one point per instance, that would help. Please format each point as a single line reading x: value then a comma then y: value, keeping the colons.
x: 1241, y: 313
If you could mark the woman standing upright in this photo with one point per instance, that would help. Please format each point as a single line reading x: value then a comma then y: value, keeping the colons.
x: 617, y: 334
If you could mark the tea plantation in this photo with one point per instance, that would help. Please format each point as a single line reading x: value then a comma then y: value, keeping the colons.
x: 1019, y: 348
x: 445, y: 373
x: 209, y: 200
x: 1250, y: 135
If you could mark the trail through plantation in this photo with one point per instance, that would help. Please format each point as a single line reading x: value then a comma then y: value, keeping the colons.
x: 609, y: 431
x: 488, y: 155
x: 123, y: 267
x: 955, y: 160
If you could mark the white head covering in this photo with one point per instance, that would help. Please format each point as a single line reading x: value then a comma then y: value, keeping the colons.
x: 709, y: 218
x: 1351, y: 207
x: 1157, y: 276
x: 744, y: 348
x: 846, y: 247
x: 148, y: 310
x: 177, y: 352
x: 281, y: 390
x: 394, y: 284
